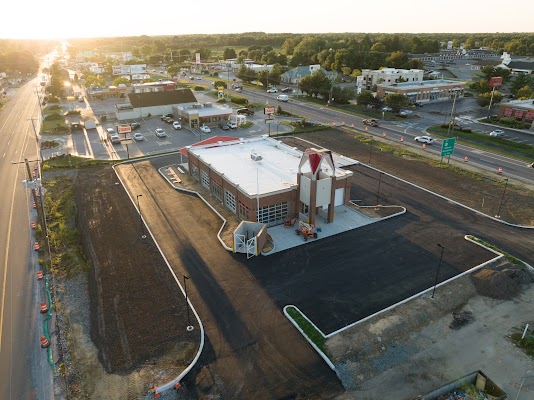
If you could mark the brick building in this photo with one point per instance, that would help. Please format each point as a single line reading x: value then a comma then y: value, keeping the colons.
x: 263, y: 180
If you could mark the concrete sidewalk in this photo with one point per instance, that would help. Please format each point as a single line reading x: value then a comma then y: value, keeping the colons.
x: 345, y: 220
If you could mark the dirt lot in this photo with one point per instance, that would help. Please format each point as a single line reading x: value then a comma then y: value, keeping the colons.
x: 136, y: 312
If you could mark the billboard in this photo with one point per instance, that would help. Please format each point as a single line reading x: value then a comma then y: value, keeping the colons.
x: 124, y: 128
x: 495, y: 82
x: 129, y: 69
x: 268, y: 110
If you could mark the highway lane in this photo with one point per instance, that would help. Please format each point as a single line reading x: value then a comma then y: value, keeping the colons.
x: 24, y: 368
x: 394, y: 130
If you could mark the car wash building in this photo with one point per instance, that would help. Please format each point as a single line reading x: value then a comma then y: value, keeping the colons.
x: 263, y: 180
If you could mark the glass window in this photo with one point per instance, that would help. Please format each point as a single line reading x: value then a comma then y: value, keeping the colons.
x: 243, y: 211
x: 273, y: 213
x: 204, y: 179
x: 216, y: 190
x: 229, y: 201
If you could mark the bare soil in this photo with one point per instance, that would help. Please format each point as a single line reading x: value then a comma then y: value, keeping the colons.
x: 126, y: 320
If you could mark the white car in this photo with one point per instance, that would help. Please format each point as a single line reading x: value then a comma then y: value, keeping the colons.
x: 231, y: 125
x: 138, y: 137
x: 160, y: 133
x: 205, y: 129
x: 405, y: 112
x: 176, y: 125
x: 387, y: 109
x: 424, y: 139
x: 272, y: 90
x: 497, y: 133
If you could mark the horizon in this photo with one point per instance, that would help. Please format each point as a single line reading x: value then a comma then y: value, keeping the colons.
x: 411, y: 17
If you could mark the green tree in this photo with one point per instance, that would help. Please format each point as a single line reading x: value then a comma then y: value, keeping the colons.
x: 229, y: 53
x: 397, y: 59
x: 217, y: 84
x: 524, y: 93
x: 484, y: 99
x: 246, y: 74
x: 365, y: 98
x: 94, y: 81
x: 120, y: 80
x: 380, y: 47
x: 520, y: 81
x: 396, y: 101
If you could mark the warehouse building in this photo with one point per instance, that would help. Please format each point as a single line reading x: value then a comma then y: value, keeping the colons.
x: 266, y: 181
x: 424, y: 92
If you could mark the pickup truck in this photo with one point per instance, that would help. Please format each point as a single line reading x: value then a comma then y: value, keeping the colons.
x: 370, y: 122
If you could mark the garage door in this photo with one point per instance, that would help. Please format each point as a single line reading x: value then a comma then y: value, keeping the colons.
x: 339, y: 197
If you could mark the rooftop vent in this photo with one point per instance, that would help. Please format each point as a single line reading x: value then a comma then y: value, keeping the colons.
x: 256, y: 157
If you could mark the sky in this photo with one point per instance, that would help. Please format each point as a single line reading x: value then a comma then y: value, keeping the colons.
x: 60, y: 19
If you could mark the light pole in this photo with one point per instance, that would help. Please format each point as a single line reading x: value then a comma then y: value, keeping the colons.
x: 189, y: 326
x: 378, y: 191
x: 437, y: 273
x: 143, y: 236
x: 502, y: 198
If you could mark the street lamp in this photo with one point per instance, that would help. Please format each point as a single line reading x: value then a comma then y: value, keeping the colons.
x: 502, y: 198
x: 437, y: 273
x: 189, y: 326
x: 143, y: 236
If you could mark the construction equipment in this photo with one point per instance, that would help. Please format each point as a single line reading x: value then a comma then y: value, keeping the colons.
x: 306, y: 230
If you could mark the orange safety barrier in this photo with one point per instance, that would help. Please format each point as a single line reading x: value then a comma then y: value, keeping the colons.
x: 157, y: 395
x: 466, y: 159
x: 177, y: 385
x: 352, y: 125
x: 34, y: 205
x: 44, y: 307
x: 333, y: 124
x: 34, y: 225
x: 424, y: 145
x: 366, y: 129
x: 44, y: 342
x: 402, y: 139
x: 40, y: 275
x: 343, y: 123
x: 500, y: 170
x: 36, y: 246
x: 384, y: 134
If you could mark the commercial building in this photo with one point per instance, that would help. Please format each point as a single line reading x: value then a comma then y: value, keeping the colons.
x: 294, y: 76
x: 142, y: 105
x: 521, y: 110
x: 161, y: 86
x: 195, y: 115
x: 387, y: 76
x: 425, y: 91
x: 263, y: 180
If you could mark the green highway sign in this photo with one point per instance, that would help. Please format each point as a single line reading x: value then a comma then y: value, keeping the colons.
x: 447, y: 148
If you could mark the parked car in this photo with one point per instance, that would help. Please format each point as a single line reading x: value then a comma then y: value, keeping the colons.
x: 370, y: 122
x: 245, y: 111
x: 231, y: 125
x: 405, y: 113
x: 387, y: 109
x: 531, y: 165
x: 418, y: 104
x: 497, y: 133
x: 160, y: 133
x: 287, y: 90
x: 238, y: 89
x: 176, y: 125
x: 205, y: 129
x: 138, y: 137
x: 224, y: 126
x: 199, y: 78
x: 135, y: 125
x: 424, y: 139
x: 163, y: 117
x: 169, y: 120
x: 272, y: 90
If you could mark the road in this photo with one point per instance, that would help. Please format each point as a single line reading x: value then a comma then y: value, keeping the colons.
x: 25, y: 372
x: 407, y: 130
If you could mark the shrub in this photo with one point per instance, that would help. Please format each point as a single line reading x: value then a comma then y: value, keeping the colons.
x: 103, y: 118
x: 73, y: 112
x: 53, y: 99
x: 221, y: 100
x: 198, y: 88
x: 238, y: 100
x: 215, y: 74
x: 54, y: 117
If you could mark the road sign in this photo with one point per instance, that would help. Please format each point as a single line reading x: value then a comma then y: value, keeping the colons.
x: 447, y: 148
x: 268, y: 110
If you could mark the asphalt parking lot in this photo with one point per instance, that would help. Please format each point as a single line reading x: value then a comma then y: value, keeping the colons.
x: 341, y: 279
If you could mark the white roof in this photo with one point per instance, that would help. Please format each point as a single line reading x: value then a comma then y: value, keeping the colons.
x: 275, y: 172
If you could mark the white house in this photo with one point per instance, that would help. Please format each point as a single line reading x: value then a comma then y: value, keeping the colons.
x: 388, y: 76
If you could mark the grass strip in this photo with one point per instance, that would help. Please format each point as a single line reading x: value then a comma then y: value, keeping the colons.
x: 526, y: 344
x: 508, y: 256
x: 482, y: 141
x: 313, y: 334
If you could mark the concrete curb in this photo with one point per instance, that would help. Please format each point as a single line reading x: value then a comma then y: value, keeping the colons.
x: 205, y: 201
x: 170, y: 384
x: 403, y: 211
x: 469, y: 271
x: 324, y: 357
